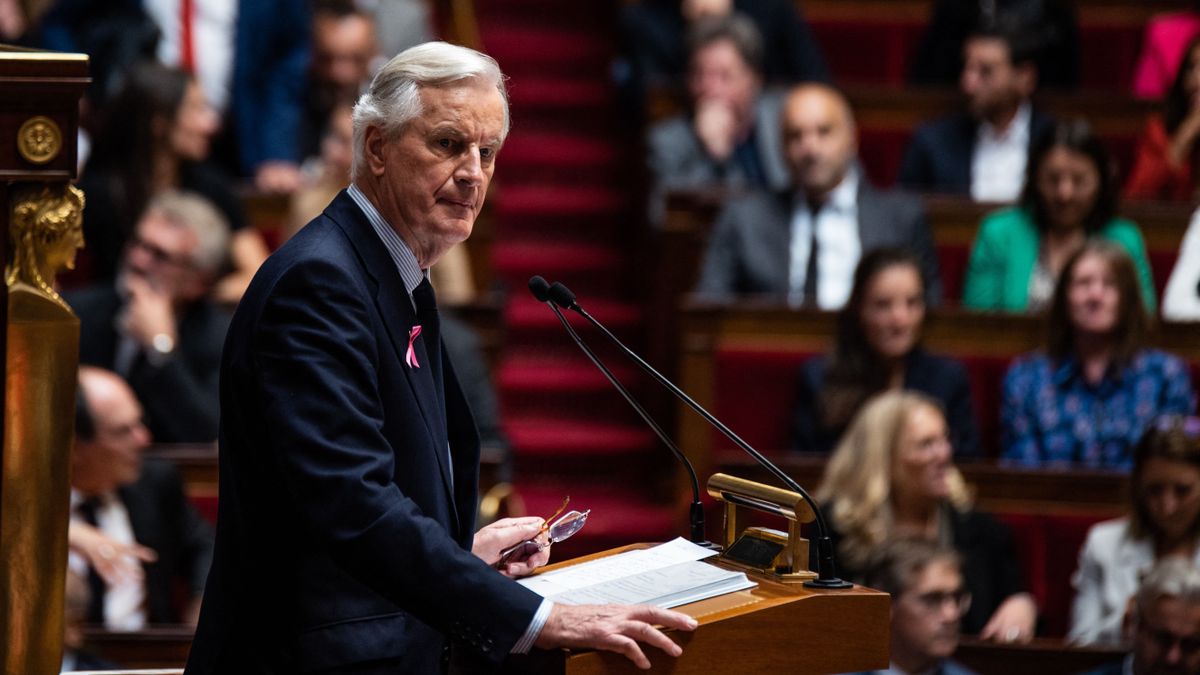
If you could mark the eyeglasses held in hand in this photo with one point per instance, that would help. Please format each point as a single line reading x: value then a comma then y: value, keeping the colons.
x: 556, y: 528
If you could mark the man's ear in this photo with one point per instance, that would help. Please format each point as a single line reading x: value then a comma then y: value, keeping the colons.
x: 1027, y: 78
x: 374, y: 152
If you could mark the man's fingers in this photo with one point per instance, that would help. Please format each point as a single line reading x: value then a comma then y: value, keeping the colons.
x: 655, y: 638
x: 664, y: 617
x: 630, y: 649
x: 144, y: 553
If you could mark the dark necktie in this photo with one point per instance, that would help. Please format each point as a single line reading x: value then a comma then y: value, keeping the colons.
x: 810, y: 270
x: 427, y: 316
x: 431, y: 337
x: 95, y: 612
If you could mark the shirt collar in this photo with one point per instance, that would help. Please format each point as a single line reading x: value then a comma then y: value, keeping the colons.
x: 406, y: 263
x: 1069, y: 368
x: 1017, y: 131
x: 842, y: 199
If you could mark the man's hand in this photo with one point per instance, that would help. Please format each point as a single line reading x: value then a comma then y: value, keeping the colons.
x: 613, y: 628
x: 148, y: 313
x: 716, y: 125
x: 506, y: 533
x: 114, y: 561
x: 278, y: 177
x: 1013, y: 620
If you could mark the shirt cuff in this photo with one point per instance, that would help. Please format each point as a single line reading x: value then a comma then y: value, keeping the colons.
x: 535, y: 628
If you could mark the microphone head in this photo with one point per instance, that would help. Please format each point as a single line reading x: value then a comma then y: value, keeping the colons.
x: 539, y: 288
x: 562, y: 296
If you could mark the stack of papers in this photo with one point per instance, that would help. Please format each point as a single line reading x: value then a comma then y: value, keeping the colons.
x: 667, y: 575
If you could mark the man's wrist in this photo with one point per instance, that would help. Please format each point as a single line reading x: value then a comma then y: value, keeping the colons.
x: 535, y: 628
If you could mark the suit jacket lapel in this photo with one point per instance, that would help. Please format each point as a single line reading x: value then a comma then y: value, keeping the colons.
x: 392, y: 299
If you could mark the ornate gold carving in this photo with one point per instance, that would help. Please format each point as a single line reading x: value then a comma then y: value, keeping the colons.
x: 46, y: 230
x: 39, y: 140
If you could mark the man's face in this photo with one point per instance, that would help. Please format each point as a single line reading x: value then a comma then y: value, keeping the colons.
x: 819, y: 140
x: 925, y: 618
x: 112, y: 458
x: 718, y: 73
x: 343, y: 48
x: 432, y: 178
x: 990, y: 81
x: 162, y: 254
x: 1167, y: 640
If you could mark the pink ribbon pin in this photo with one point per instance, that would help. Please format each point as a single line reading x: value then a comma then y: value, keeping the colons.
x: 410, y: 357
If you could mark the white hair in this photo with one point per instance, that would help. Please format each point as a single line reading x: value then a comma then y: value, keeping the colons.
x: 197, y: 214
x: 394, y: 97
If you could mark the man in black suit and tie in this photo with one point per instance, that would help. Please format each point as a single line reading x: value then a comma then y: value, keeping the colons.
x: 802, y: 245
x: 349, y: 458
x: 981, y: 151
x: 134, y: 536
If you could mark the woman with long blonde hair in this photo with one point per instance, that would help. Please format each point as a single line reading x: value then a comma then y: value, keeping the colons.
x: 892, y: 475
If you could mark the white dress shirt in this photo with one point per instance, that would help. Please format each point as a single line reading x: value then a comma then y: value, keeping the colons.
x: 998, y: 163
x: 838, y: 245
x: 124, y: 601
x: 214, y: 24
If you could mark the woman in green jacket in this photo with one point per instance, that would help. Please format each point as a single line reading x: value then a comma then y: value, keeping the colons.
x: 1070, y: 195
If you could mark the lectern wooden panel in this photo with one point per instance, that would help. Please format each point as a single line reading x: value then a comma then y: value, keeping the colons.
x: 774, y: 627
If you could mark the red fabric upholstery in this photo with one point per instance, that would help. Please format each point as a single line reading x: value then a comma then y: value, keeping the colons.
x: 755, y: 394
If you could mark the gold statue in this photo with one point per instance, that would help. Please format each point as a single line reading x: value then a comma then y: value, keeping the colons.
x: 46, y: 230
x: 42, y: 361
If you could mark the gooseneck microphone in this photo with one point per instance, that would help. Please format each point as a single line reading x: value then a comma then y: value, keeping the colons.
x: 562, y: 296
x: 546, y: 293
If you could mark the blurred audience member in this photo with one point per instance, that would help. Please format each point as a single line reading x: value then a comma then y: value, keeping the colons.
x: 344, y: 57
x: 1167, y: 151
x: 248, y: 56
x: 730, y: 137
x: 892, y: 476
x: 1181, y: 298
x: 115, y: 35
x: 802, y: 245
x: 133, y: 533
x: 75, y: 608
x: 1163, y: 522
x: 153, y: 137
x: 1165, y: 624
x: 878, y: 347
x: 1091, y: 394
x: 155, y: 325
x: 1050, y: 24
x: 1070, y: 195
x: 401, y: 24
x: 653, y: 39
x: 981, y: 151
x: 929, y: 599
x: 1164, y: 46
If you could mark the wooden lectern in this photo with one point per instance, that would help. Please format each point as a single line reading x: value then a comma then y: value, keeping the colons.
x: 774, y: 627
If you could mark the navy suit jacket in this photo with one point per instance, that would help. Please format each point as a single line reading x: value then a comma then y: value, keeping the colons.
x: 938, y: 158
x: 344, y: 528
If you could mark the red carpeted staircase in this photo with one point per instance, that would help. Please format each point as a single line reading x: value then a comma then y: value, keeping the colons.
x: 563, y: 208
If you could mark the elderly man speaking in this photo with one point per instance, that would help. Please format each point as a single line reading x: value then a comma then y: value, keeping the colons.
x: 349, y: 458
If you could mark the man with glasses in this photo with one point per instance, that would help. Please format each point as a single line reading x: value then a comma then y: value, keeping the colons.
x: 133, y: 536
x: 1165, y: 623
x: 928, y: 602
x: 155, y: 325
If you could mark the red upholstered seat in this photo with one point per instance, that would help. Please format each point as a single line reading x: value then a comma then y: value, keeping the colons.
x: 755, y: 394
